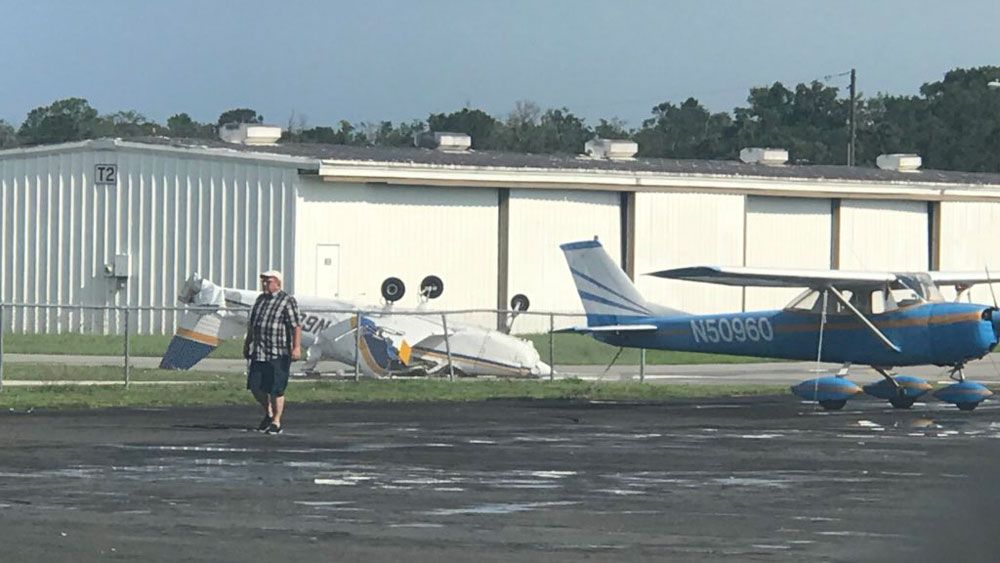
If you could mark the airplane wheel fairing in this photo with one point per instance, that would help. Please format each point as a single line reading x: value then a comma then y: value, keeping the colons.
x: 907, y: 387
x: 393, y: 289
x: 827, y: 390
x: 832, y: 405
x: 964, y: 394
x: 519, y: 302
x: 431, y: 287
x: 901, y: 402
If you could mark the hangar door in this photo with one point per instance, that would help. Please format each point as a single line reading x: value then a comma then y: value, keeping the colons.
x: 784, y: 232
x: 967, y: 242
x: 688, y: 229
x: 541, y: 220
x: 883, y: 235
x: 407, y: 232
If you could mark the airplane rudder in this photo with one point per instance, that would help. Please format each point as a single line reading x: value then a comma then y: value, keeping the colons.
x: 605, y: 290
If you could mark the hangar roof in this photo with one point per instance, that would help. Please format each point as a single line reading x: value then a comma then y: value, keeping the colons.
x: 493, y: 159
x: 419, y: 166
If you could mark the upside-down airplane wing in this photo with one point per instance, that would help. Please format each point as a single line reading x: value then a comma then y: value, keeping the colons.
x: 764, y: 277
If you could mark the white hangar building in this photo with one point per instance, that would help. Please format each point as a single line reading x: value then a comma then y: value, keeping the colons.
x: 116, y: 222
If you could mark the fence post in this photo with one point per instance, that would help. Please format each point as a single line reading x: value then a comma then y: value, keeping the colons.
x: 447, y: 347
x: 2, y: 323
x: 128, y: 343
x: 552, y: 346
x: 357, y: 348
x: 642, y: 365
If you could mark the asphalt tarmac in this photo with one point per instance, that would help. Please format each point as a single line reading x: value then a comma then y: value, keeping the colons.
x: 754, y: 479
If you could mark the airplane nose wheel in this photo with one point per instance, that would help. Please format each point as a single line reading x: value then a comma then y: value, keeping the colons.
x: 964, y: 394
x: 901, y: 402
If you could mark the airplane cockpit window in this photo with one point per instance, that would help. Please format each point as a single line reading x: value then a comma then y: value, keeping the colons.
x: 907, y: 289
x: 812, y: 301
x: 912, y: 289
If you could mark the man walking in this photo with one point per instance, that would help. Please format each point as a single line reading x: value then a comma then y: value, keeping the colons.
x: 273, y: 340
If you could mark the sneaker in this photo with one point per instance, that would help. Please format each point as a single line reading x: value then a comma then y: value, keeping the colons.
x: 273, y: 429
x: 265, y: 423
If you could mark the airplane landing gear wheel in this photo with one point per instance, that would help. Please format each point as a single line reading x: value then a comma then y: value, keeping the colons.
x: 833, y: 405
x: 901, y: 402
x: 966, y: 406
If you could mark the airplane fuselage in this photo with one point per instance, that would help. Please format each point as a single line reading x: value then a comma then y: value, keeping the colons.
x: 929, y: 333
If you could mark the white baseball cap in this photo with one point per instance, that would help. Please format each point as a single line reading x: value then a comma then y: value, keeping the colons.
x: 272, y: 274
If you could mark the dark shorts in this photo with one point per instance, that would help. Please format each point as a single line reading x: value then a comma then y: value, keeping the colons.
x: 269, y: 376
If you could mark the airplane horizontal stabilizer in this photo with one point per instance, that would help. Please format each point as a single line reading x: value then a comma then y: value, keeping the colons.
x: 608, y: 328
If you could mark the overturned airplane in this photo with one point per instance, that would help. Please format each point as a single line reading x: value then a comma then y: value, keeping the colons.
x: 391, y: 342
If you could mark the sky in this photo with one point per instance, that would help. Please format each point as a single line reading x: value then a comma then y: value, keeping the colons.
x: 399, y: 60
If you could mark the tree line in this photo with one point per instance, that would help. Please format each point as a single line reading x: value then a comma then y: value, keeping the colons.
x: 954, y: 124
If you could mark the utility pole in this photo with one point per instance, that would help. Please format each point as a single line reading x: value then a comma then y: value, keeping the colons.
x: 852, y: 124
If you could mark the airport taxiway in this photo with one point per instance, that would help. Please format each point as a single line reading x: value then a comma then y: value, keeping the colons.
x: 740, y: 479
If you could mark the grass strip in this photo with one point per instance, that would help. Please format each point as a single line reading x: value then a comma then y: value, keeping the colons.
x: 230, y: 391
x: 570, y: 349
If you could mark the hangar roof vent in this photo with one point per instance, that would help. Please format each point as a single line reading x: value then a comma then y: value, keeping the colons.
x: 763, y: 155
x: 249, y: 134
x: 442, y: 141
x: 611, y: 149
x: 899, y: 162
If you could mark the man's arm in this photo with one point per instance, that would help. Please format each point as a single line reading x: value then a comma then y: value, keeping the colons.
x: 296, y: 323
x: 297, y: 343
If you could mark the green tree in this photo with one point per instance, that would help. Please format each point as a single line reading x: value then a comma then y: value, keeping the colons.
x: 613, y: 128
x: 182, y: 126
x: 8, y: 135
x: 685, y: 131
x: 346, y: 135
x: 71, y: 119
x: 240, y: 115
x: 559, y: 131
x: 961, y: 121
x: 385, y: 134
x: 129, y: 124
x: 810, y: 122
x: 475, y: 123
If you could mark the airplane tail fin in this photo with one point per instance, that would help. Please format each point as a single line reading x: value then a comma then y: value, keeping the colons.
x: 609, y: 296
x: 199, y: 331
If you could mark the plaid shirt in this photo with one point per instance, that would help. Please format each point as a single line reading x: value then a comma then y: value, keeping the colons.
x: 272, y: 321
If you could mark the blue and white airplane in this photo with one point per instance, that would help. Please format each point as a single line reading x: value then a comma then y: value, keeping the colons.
x: 390, y: 341
x: 880, y: 319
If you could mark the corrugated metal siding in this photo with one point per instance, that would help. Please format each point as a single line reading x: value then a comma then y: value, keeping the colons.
x: 883, y: 235
x: 406, y: 232
x: 969, y: 243
x: 785, y: 233
x: 173, y: 216
x: 688, y: 229
x: 541, y: 220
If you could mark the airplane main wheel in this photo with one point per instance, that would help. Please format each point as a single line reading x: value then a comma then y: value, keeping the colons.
x: 833, y: 404
x: 966, y: 406
x: 901, y: 402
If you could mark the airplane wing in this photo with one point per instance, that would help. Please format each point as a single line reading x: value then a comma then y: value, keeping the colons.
x: 765, y: 277
x: 967, y: 279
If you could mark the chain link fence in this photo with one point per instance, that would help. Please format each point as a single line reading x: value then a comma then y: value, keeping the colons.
x: 37, y: 331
